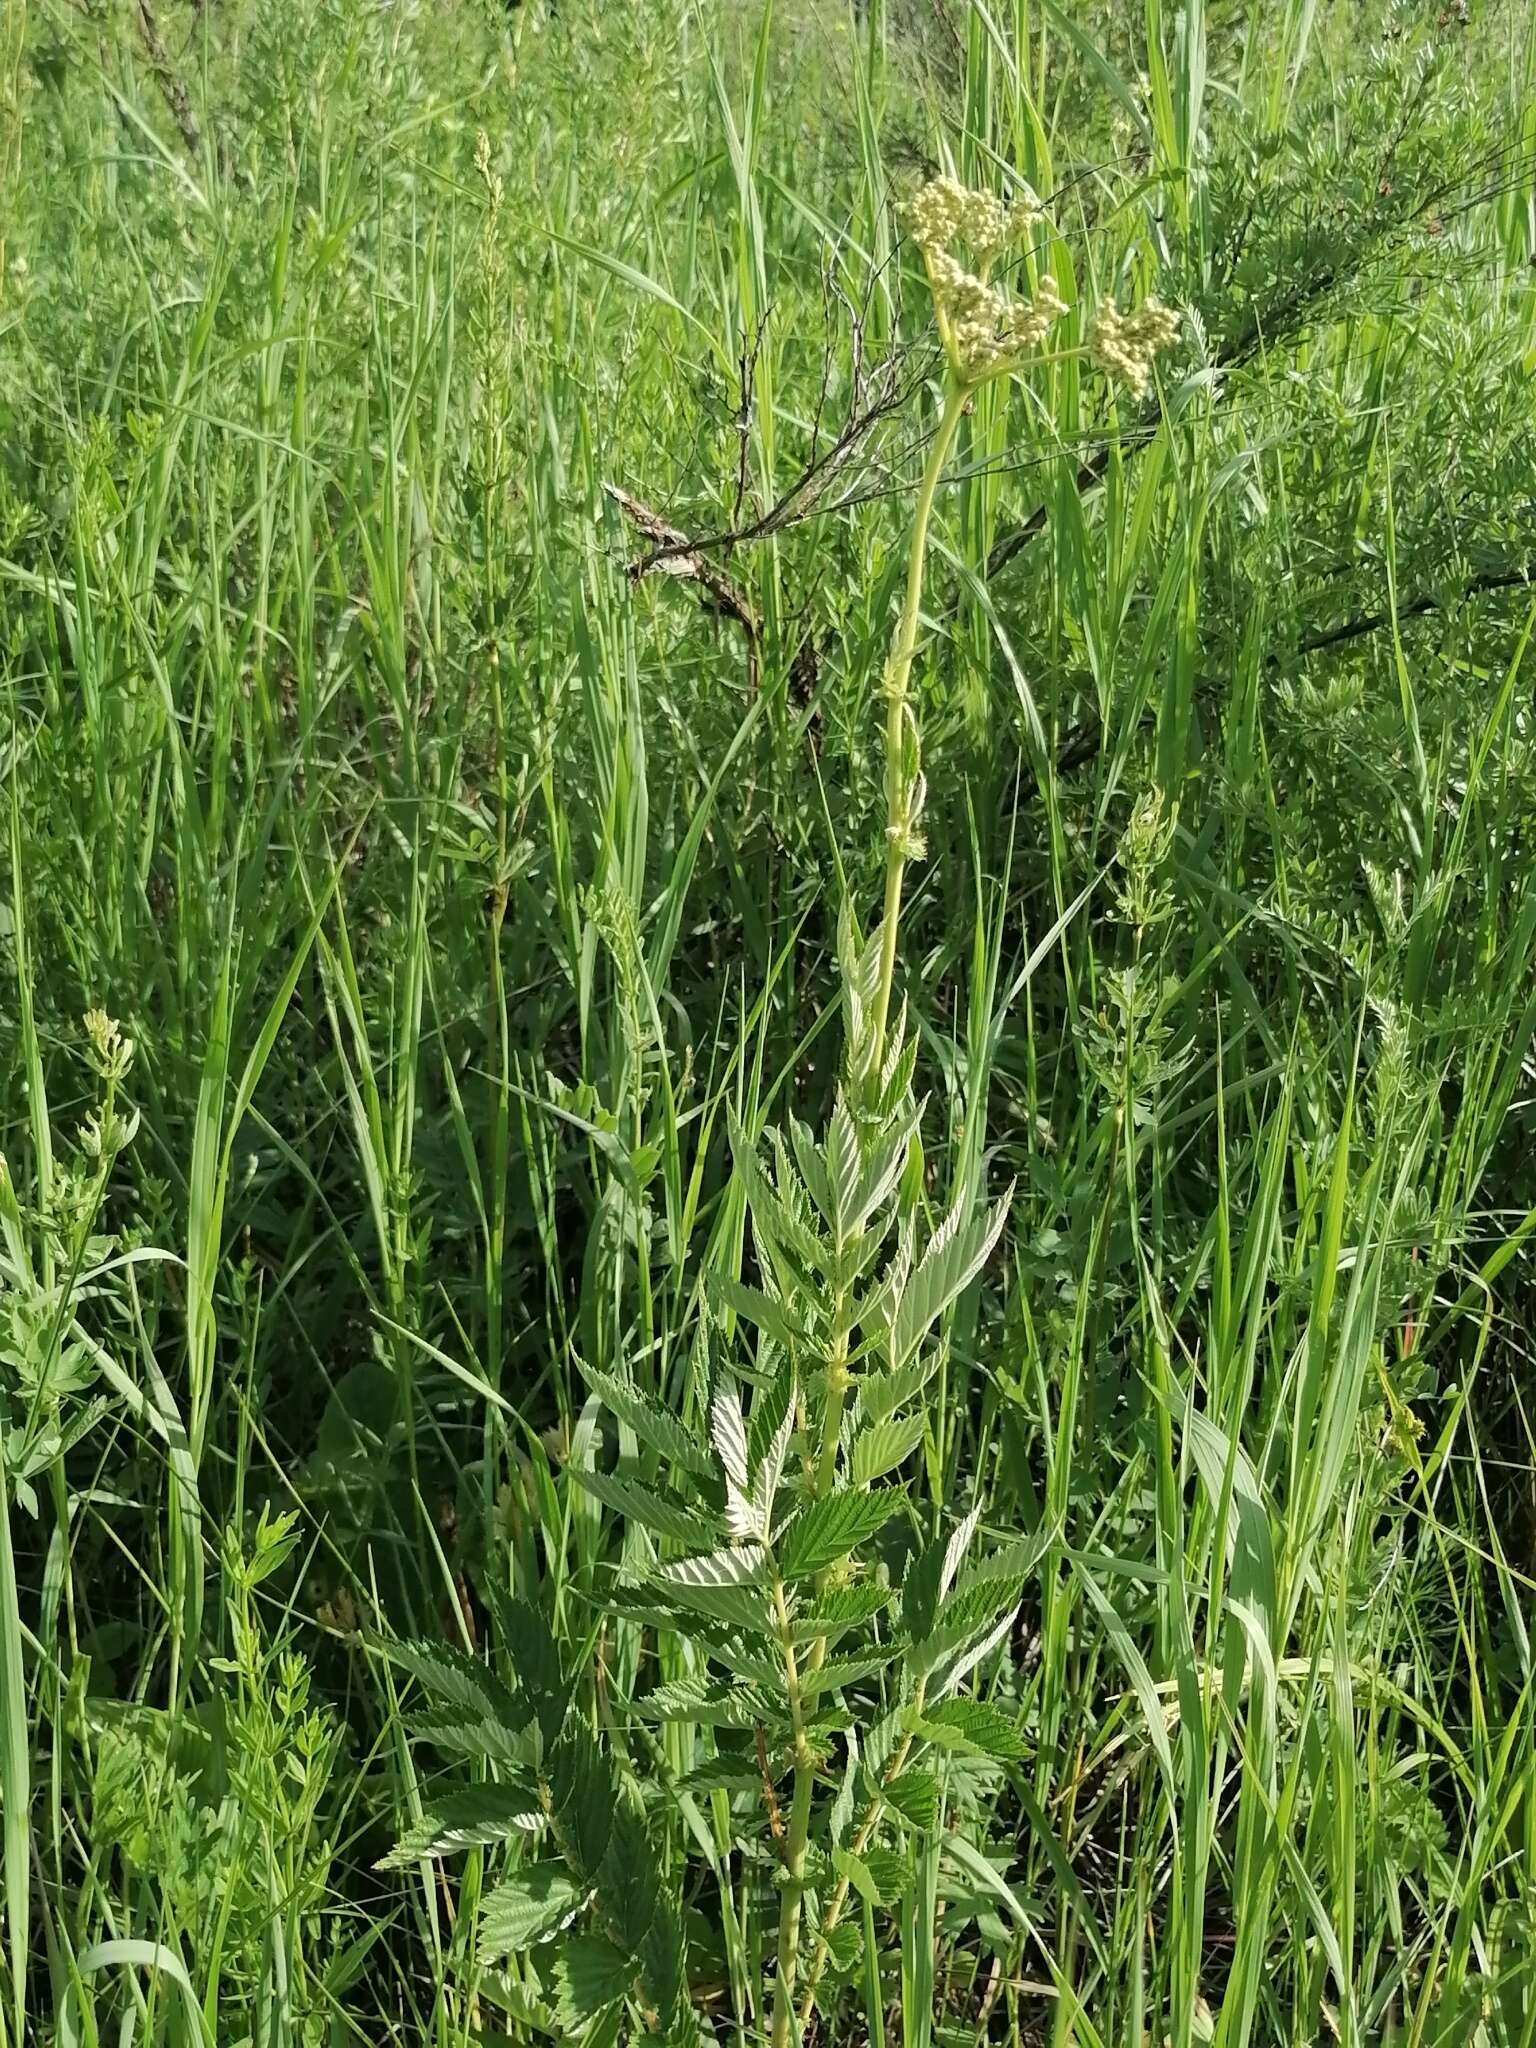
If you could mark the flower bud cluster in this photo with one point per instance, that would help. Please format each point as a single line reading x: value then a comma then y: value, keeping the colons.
x: 986, y: 328
x: 1125, y: 344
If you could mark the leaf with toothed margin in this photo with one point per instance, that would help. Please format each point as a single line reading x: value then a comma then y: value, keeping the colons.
x: 653, y: 1424
x: 958, y: 1251
x: 972, y: 1728
x: 832, y: 1528
x: 663, y: 1514
x: 590, y: 1976
x: 528, y: 1907
x: 468, y: 1819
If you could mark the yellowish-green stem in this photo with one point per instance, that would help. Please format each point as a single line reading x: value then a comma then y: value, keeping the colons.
x: 901, y: 825
x: 899, y: 783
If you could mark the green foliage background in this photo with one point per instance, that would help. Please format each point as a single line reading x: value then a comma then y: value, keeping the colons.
x: 461, y: 879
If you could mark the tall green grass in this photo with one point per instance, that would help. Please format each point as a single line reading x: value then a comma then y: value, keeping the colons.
x: 462, y: 879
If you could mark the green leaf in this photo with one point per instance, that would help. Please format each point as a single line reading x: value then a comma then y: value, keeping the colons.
x: 858, y: 1874
x: 757, y: 1308
x: 882, y: 1393
x: 878, y: 1876
x: 527, y: 1907
x: 832, y: 1528
x: 728, y: 1433
x: 837, y: 1672
x: 958, y: 1251
x: 653, y: 1424
x: 663, y: 1514
x: 722, y: 1774
x: 967, y: 1609
x: 772, y: 1220
x: 892, y: 1874
x: 920, y: 1589
x: 590, y: 1975
x: 465, y: 1820
x: 475, y: 1737
x: 844, y: 1167
x: 724, y: 1584
x: 453, y: 1679
x: 734, y: 1564
x: 832, y: 1614
x: 585, y: 1796
x: 884, y: 1446
x: 882, y: 1170
x: 915, y: 1796
x: 972, y: 1728
x: 708, y: 1702
x: 541, y: 1676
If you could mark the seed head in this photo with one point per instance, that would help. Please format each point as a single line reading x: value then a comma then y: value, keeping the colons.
x: 1125, y: 344
x: 988, y: 328
x: 945, y: 212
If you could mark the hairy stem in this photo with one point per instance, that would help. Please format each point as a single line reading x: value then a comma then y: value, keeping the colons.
x: 900, y: 787
x: 860, y: 1843
x: 796, y: 1841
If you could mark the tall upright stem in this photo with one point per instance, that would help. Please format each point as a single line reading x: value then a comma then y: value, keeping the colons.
x: 899, y: 786
x: 901, y: 824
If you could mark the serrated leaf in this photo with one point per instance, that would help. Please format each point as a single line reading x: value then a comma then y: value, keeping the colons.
x: 920, y: 1589
x: 975, y: 1652
x: 972, y: 1728
x: 844, y: 1166
x: 892, y: 1873
x: 833, y: 1613
x: 453, y: 1678
x: 759, y: 1309
x: 726, y: 1636
x: 772, y: 1220
x: 885, y: 1445
x: 475, y: 1737
x: 584, y: 1794
x: 721, y: 1774
x: 812, y: 1168
x: 653, y: 1424
x: 915, y: 1796
x: 590, y: 1975
x: 954, y: 1551
x: 765, y: 1481
x: 965, y: 1615
x: 467, y: 1819
x: 846, y: 1941
x: 539, y: 1671
x: 957, y: 1253
x: 728, y: 1433
x: 882, y: 1393
x: 662, y: 1514
x: 707, y: 1702
x: 733, y: 1564
x: 881, y: 1170
x: 1014, y: 1561
x: 858, y: 1874
x: 832, y: 1528
x: 528, y: 1907
x: 629, y: 1882
x: 725, y: 1584
x: 835, y: 1672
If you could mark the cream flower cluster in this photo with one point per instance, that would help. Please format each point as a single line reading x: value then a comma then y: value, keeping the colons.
x: 985, y: 329
x: 1124, y: 344
x: 945, y: 212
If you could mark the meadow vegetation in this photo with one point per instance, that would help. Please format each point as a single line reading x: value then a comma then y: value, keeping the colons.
x: 767, y: 986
